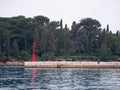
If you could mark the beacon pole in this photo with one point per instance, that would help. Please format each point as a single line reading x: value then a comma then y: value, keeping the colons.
x: 33, y: 51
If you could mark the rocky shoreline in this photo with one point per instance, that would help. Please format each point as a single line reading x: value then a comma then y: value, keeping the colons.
x: 12, y: 63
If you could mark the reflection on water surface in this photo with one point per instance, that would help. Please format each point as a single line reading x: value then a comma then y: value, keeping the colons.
x: 18, y: 78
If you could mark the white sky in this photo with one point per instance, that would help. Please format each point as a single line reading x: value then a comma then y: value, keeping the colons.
x: 105, y: 11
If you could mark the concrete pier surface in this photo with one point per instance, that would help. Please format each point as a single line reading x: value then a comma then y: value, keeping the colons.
x: 70, y: 64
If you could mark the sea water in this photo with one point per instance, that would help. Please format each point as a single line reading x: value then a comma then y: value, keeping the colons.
x: 20, y: 78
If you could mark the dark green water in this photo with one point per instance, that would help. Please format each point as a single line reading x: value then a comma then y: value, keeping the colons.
x: 18, y: 78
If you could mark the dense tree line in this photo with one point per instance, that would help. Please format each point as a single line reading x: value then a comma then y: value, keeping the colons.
x: 84, y: 40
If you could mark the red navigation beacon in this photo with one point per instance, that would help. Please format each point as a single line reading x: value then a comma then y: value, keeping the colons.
x: 33, y: 51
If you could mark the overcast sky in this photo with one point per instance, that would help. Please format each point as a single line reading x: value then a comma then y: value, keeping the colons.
x: 105, y: 11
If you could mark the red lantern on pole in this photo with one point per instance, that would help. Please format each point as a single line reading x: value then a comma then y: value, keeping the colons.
x: 33, y: 51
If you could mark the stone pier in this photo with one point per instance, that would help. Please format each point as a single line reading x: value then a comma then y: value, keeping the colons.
x: 70, y: 64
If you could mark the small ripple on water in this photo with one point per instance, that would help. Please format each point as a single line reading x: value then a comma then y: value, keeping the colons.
x: 18, y: 78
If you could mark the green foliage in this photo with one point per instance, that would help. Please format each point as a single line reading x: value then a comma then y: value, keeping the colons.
x: 46, y: 57
x: 118, y: 59
x: 24, y: 55
x: 41, y: 20
x: 64, y: 52
x: 86, y: 39
x: 105, y: 54
x: 4, y: 58
x: 15, y: 49
x: 84, y: 58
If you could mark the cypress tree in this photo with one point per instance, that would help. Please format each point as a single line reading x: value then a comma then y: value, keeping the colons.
x: 61, y: 24
x: 107, y: 28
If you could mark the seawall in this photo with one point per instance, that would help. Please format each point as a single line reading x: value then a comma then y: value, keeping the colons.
x: 70, y: 64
